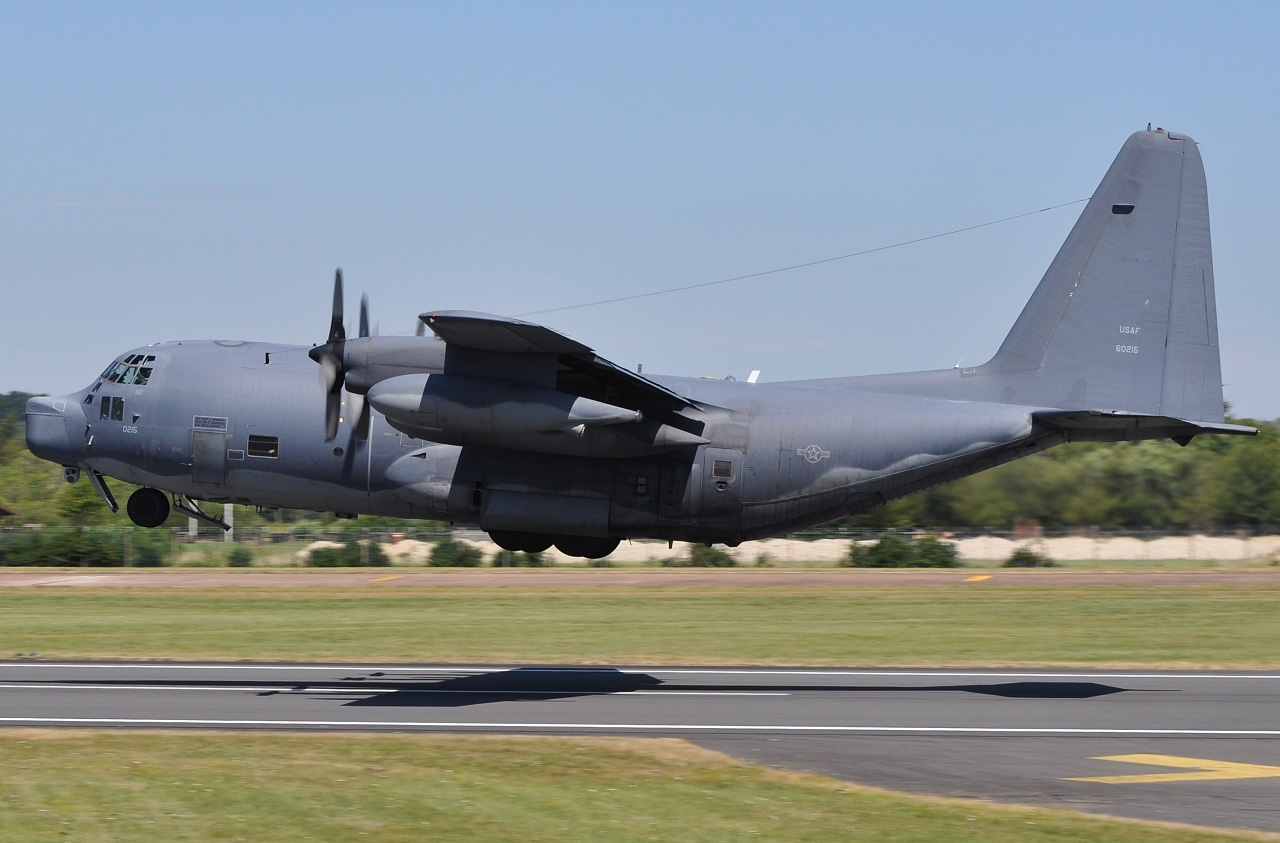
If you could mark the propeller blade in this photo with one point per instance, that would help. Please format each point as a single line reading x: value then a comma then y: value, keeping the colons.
x: 358, y: 412
x: 332, y: 359
x: 331, y: 372
x: 337, y: 332
x: 421, y: 329
x: 332, y: 412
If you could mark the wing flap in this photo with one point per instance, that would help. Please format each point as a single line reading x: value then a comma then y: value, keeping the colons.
x: 487, y: 333
x: 500, y: 334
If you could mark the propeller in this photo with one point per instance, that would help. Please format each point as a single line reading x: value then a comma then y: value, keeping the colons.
x: 330, y: 356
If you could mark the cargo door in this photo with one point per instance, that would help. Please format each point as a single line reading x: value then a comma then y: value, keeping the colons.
x: 721, y: 488
x: 208, y: 458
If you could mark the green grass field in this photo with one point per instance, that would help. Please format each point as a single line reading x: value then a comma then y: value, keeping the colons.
x: 193, y: 787
x: 964, y: 624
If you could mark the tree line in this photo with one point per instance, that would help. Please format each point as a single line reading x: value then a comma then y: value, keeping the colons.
x: 1214, y: 483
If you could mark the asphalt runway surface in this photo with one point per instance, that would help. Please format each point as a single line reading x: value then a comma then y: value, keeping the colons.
x: 1196, y: 747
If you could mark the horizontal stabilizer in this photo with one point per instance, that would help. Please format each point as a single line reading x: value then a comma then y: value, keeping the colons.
x: 1116, y: 425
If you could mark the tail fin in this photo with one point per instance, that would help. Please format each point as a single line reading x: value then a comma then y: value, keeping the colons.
x: 1124, y: 318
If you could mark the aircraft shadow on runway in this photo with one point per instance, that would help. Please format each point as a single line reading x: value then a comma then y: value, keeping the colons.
x: 529, y: 684
x: 521, y: 683
x: 410, y: 689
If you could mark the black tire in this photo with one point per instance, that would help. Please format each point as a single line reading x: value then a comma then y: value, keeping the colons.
x: 587, y: 547
x: 148, y: 507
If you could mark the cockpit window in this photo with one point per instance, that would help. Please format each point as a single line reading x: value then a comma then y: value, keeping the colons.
x: 134, y: 370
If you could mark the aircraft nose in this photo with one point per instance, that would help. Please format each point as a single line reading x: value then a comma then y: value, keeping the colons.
x: 50, y: 420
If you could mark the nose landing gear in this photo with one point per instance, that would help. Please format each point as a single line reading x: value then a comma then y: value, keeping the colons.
x: 148, y: 507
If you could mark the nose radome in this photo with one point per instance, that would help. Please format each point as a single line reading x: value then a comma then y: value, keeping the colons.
x: 49, y: 419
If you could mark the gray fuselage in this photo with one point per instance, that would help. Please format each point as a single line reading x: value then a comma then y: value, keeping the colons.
x: 243, y: 423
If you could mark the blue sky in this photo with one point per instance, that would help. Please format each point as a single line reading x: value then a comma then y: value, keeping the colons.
x: 181, y: 170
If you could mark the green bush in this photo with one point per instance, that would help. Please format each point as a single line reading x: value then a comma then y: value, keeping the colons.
x: 534, y: 559
x: 520, y: 559
x: 890, y: 551
x: 375, y: 556
x: 1025, y: 557
x: 700, y: 556
x: 454, y: 554
x: 893, y: 550
x: 19, y: 548
x: 99, y: 547
x: 354, y: 553
x: 64, y: 547
x: 151, y: 548
x: 933, y: 552
x: 332, y: 557
x: 240, y: 556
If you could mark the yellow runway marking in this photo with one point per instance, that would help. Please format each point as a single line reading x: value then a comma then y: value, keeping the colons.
x: 977, y: 578
x: 387, y: 579
x: 1202, y: 770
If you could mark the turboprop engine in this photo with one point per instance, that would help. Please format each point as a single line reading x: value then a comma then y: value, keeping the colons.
x: 462, y: 410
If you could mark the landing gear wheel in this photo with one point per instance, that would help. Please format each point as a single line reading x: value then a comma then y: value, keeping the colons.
x: 148, y: 507
x: 590, y: 548
x: 526, y: 542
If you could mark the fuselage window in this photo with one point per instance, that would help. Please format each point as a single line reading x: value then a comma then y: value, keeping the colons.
x: 722, y: 468
x: 264, y: 446
x: 111, y: 408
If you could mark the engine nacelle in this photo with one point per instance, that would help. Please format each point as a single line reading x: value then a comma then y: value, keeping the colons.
x: 516, y: 415
x: 487, y: 406
x: 367, y: 361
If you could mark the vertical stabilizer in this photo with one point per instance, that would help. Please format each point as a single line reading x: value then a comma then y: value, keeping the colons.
x: 1124, y: 318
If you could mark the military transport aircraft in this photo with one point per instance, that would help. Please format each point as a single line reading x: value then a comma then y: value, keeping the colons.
x: 540, y: 441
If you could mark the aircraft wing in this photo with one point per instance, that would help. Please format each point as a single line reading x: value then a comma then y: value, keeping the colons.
x: 578, y: 368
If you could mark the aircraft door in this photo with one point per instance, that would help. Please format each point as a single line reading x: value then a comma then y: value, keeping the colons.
x: 721, y: 488
x: 208, y: 458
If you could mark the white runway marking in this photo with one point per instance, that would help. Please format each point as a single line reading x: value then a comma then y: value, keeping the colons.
x: 70, y: 580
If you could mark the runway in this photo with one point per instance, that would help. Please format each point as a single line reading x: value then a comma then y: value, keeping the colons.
x: 1205, y: 747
